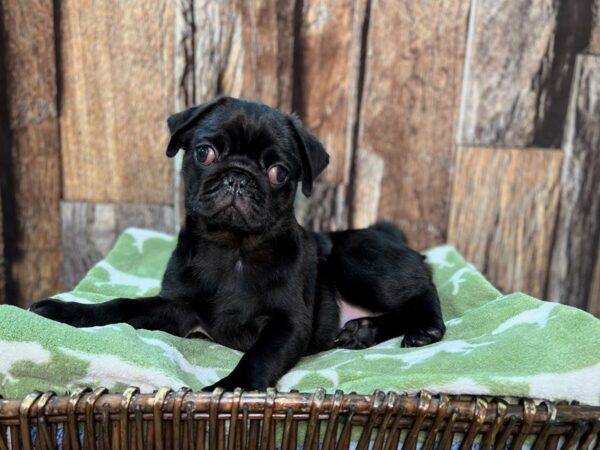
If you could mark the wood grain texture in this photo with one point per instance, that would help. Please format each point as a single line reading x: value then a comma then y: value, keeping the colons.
x: 409, y: 109
x: 117, y: 79
x: 577, y: 235
x: 184, y: 55
x: 235, y: 48
x: 503, y: 214
x: 205, y: 35
x: 595, y: 39
x: 328, y: 75
x: 323, y: 73
x: 594, y: 303
x: 329, y: 212
x: 267, y: 63
x: 89, y: 231
x: 31, y: 161
x: 367, y: 188
x: 2, y: 265
x: 37, y: 263
x: 517, y: 80
x: 501, y: 92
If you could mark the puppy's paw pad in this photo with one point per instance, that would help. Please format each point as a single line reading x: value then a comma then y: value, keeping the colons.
x: 230, y: 383
x: 435, y: 333
x: 419, y: 338
x: 357, y: 334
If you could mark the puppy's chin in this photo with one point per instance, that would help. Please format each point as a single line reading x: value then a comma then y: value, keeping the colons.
x: 224, y: 213
x: 233, y: 218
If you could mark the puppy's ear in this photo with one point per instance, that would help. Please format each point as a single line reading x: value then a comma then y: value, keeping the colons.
x: 312, y: 154
x: 180, y: 122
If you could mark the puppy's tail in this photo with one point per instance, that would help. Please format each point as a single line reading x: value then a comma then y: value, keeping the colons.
x: 390, y: 230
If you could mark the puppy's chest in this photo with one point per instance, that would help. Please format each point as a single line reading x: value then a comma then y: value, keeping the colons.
x: 235, y: 321
x: 218, y: 263
x: 235, y: 309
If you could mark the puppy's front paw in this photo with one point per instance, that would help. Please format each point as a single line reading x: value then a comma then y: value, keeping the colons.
x: 419, y: 338
x: 230, y: 382
x: 48, y: 308
x: 357, y: 334
x: 65, y: 312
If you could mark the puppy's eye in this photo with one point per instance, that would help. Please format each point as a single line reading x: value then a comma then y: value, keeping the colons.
x: 205, y: 155
x: 278, y: 174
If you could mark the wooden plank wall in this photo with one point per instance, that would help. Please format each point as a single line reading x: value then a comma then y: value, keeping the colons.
x: 515, y: 97
x: 117, y: 90
x: 517, y: 81
x: 577, y: 237
x: 414, y: 66
x: 448, y: 118
x: 594, y: 48
x: 5, y: 160
x: 31, y: 173
x: 2, y: 264
x: 594, y: 300
x: 327, y: 71
x: 234, y: 48
x: 503, y: 217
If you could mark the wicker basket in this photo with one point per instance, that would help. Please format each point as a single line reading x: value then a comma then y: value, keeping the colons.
x: 168, y: 420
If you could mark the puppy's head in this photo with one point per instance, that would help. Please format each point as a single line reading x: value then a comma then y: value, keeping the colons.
x: 242, y: 163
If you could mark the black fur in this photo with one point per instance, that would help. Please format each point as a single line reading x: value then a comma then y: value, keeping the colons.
x: 248, y: 275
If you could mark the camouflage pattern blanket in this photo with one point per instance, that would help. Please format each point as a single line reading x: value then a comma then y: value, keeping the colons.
x: 496, y: 344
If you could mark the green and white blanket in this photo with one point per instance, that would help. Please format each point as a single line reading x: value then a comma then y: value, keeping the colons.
x: 509, y: 345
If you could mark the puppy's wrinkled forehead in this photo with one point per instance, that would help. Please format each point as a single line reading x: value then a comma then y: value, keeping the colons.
x: 247, y: 129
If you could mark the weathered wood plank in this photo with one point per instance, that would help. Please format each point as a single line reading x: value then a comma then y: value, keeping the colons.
x: 327, y: 94
x: 184, y: 56
x: 117, y: 80
x: 516, y: 80
x: 409, y: 109
x: 594, y: 301
x: 366, y: 188
x: 89, y: 231
x: 577, y: 235
x: 595, y: 40
x: 503, y: 213
x: 37, y: 264
x: 216, y: 57
x: 324, y: 71
x: 267, y: 63
x: 330, y: 212
x: 594, y: 304
x: 30, y: 158
x: 2, y: 265
x: 235, y: 48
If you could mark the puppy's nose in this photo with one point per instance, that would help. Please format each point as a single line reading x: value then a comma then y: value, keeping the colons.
x: 235, y: 181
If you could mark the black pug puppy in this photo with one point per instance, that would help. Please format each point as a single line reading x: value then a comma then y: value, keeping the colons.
x: 248, y: 276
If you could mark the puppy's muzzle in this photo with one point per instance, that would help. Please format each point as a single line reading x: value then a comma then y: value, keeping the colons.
x: 235, y: 182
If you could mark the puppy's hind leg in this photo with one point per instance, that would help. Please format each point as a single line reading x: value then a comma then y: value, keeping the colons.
x: 375, y: 270
x: 419, y: 320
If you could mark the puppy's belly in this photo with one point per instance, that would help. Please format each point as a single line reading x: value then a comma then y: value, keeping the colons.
x: 199, y: 329
x: 350, y: 312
